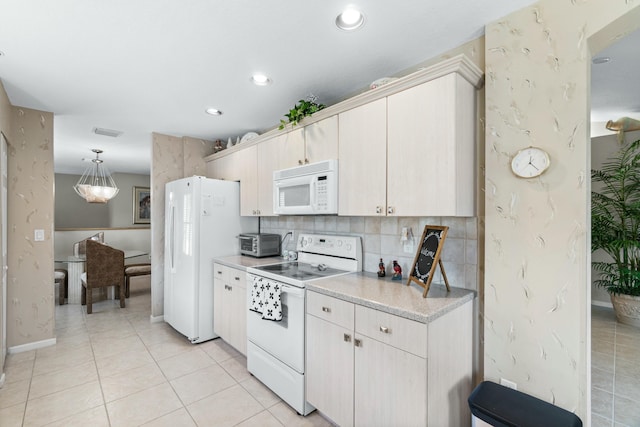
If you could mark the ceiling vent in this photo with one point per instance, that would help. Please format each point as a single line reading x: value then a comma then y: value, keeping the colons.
x: 107, y: 132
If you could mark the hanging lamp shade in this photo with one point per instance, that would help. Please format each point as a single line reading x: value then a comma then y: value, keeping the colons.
x: 96, y: 184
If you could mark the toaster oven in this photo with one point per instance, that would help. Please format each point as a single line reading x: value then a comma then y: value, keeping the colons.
x: 259, y: 244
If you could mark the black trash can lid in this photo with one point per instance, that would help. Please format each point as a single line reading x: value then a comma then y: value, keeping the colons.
x: 501, y: 406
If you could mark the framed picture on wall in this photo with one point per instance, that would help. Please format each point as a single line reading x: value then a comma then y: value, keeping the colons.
x: 141, y: 205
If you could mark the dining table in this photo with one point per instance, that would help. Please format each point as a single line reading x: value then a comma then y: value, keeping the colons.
x: 75, y: 268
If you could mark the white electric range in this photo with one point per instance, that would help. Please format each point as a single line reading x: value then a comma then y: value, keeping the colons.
x: 276, y: 349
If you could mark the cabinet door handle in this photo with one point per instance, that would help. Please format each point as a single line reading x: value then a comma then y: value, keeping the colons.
x: 347, y: 338
x: 219, y: 272
x: 357, y: 342
x: 237, y: 278
x: 378, y: 209
x: 299, y: 162
x: 258, y: 211
x: 326, y: 309
x: 390, y: 210
x: 306, y: 161
x: 385, y: 330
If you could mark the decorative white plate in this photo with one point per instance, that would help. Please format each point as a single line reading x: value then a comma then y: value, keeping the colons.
x: 247, y: 136
x: 381, y: 82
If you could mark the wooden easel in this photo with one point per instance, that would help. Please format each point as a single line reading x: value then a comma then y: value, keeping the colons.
x: 427, y: 257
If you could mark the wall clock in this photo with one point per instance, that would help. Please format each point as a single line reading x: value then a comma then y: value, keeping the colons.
x: 530, y: 162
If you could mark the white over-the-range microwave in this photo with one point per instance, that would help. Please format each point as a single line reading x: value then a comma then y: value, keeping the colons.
x: 306, y: 190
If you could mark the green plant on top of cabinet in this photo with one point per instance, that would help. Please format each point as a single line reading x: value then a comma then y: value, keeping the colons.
x: 230, y: 306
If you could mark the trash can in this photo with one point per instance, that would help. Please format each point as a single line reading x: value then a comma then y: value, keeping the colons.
x: 501, y: 406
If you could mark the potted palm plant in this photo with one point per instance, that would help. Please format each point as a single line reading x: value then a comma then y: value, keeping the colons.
x: 615, y: 229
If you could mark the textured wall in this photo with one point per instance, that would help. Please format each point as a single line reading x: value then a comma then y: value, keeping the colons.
x: 172, y: 158
x: 5, y: 128
x: 30, y: 308
x: 537, y: 287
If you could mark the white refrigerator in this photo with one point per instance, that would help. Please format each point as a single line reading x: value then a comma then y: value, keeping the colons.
x: 202, y: 222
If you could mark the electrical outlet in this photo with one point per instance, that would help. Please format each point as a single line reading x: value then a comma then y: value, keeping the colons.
x: 508, y: 383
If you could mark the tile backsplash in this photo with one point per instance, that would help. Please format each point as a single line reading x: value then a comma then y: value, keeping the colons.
x: 381, y: 239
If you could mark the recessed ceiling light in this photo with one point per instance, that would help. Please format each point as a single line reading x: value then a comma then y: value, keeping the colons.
x: 261, y: 80
x: 600, y: 60
x: 213, y: 111
x: 350, y: 19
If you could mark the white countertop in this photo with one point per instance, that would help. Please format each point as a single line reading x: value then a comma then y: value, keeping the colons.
x: 243, y: 262
x: 391, y: 296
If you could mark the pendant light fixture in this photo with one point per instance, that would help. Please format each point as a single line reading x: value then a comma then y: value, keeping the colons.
x: 96, y: 184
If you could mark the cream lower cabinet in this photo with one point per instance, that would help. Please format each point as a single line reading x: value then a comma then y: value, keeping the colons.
x: 329, y: 368
x: 230, y: 306
x: 387, y: 370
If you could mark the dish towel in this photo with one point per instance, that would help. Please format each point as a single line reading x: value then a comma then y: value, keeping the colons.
x: 265, y: 298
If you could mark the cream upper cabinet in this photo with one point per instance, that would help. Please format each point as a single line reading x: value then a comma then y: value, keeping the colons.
x: 362, y: 160
x: 289, y: 148
x: 406, y: 149
x: 431, y: 149
x: 222, y: 168
x: 246, y: 168
x: 269, y: 155
x: 321, y: 140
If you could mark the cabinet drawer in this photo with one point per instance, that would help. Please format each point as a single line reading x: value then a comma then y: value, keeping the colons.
x: 237, y: 278
x: 220, y: 272
x: 405, y: 334
x: 330, y: 309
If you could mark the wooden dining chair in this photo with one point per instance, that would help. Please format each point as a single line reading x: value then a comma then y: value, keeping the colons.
x: 104, y: 267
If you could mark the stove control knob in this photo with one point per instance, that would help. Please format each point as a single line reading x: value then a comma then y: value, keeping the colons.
x: 339, y: 243
x: 348, y: 246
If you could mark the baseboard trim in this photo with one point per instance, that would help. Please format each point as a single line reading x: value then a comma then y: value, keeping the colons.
x: 156, y: 319
x: 602, y: 304
x: 31, y: 346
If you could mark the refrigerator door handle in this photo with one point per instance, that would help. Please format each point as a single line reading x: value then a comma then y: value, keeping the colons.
x: 172, y: 238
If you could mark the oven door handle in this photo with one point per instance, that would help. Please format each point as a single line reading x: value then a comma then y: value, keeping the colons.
x: 293, y: 291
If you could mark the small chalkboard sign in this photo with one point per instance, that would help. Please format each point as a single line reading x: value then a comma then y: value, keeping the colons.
x: 428, y: 256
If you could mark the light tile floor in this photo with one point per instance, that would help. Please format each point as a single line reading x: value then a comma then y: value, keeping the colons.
x: 615, y: 371
x: 115, y: 368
